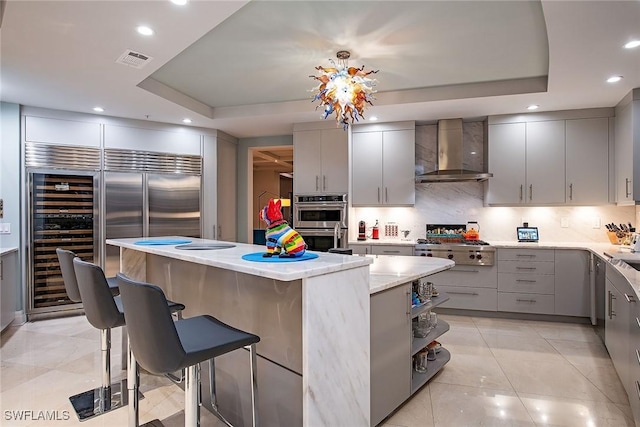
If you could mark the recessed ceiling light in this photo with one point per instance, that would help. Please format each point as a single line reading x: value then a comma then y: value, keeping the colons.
x: 632, y: 44
x: 186, y: 120
x: 179, y: 2
x: 145, y: 31
x: 373, y: 118
x: 533, y: 107
x: 614, y: 79
x: 98, y: 109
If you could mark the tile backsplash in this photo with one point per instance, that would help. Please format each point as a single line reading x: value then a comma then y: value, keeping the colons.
x: 459, y: 202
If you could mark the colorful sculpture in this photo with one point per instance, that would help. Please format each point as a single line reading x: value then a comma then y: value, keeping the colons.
x: 282, y: 240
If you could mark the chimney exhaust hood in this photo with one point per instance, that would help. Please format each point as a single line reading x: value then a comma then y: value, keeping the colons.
x: 450, y: 167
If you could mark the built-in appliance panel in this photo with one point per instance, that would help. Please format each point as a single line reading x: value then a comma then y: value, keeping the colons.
x: 467, y: 275
x: 157, y: 141
x: 63, y: 213
x: 124, y: 209
x: 526, y: 303
x: 484, y: 299
x: 58, y: 131
x: 526, y: 255
x: 531, y: 283
x: 526, y: 267
x: 174, y: 205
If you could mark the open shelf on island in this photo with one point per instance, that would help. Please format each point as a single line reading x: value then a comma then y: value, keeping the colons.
x: 419, y: 343
x: 435, y: 301
x: 433, y: 366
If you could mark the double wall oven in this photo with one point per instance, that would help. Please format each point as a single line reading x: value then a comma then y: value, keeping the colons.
x: 321, y: 220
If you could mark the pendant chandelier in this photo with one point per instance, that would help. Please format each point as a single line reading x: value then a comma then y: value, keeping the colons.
x: 344, y: 91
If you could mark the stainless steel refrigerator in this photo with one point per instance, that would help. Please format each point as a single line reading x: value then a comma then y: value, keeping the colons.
x: 149, y: 204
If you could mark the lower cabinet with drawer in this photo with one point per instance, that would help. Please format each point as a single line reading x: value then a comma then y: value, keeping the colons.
x: 470, y: 287
x: 391, y: 250
x: 634, y: 362
x: 526, y: 280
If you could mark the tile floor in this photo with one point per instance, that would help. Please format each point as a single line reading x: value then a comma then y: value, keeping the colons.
x: 502, y: 373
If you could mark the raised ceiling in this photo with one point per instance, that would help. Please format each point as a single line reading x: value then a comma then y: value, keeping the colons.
x: 243, y: 67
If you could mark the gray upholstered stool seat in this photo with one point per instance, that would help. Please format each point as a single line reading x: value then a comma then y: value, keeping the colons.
x: 161, y: 345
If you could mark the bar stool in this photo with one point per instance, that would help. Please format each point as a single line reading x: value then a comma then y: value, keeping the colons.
x: 104, y: 312
x: 65, y: 258
x: 161, y: 345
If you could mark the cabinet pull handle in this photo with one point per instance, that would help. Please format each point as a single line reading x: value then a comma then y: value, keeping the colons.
x: 525, y: 300
x: 386, y: 194
x: 390, y: 251
x: 629, y: 298
x: 324, y: 182
x: 526, y: 268
x: 611, y: 312
x: 1, y: 270
x: 462, y: 293
x: 526, y: 255
x: 571, y: 191
x: 638, y: 322
x: 638, y: 356
x: 531, y: 192
x: 317, y: 188
x: 526, y: 281
x: 408, y: 303
x: 520, y: 192
x: 215, y: 236
x: 219, y: 232
x: 627, y: 181
x: 638, y: 388
x: 378, y: 194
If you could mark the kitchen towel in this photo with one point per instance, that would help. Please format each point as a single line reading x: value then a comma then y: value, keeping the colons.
x: 257, y: 257
x: 162, y: 242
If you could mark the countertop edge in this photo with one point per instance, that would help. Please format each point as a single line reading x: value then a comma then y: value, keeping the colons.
x: 8, y: 250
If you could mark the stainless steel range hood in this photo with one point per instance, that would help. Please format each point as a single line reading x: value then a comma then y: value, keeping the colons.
x: 450, y: 151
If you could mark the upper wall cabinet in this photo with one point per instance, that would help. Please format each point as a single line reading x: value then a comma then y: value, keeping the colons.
x: 60, y: 131
x: 383, y: 165
x: 320, y: 161
x: 587, y: 161
x: 549, y: 162
x: 627, y: 149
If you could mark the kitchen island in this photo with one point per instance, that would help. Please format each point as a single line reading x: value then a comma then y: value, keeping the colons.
x: 313, y: 318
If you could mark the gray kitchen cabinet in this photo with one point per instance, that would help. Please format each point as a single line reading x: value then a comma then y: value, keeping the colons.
x: 587, y: 145
x: 528, y: 163
x: 359, y: 249
x: 526, y: 280
x: 320, y: 161
x: 393, y: 379
x: 624, y: 151
x: 392, y: 250
x: 572, y: 293
x: 383, y: 165
x: 634, y: 362
x: 8, y: 285
x: 617, y: 323
x: 469, y: 287
x: 390, y: 350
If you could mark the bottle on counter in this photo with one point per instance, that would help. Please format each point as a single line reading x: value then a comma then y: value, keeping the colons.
x: 375, y: 232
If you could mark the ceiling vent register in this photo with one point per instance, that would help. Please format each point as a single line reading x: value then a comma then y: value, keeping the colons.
x: 133, y: 59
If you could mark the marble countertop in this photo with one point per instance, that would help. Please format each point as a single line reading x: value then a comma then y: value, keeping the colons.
x: 231, y: 259
x: 7, y: 250
x: 388, y: 271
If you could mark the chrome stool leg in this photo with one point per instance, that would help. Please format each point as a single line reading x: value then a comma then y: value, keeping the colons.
x: 133, y: 380
x: 254, y: 384
x: 191, y: 396
x: 108, y: 396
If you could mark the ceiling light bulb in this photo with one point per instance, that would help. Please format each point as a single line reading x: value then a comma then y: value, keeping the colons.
x: 186, y: 120
x: 614, y: 79
x: 145, y: 31
x: 632, y: 44
x: 179, y: 2
x: 98, y: 109
x: 533, y: 107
